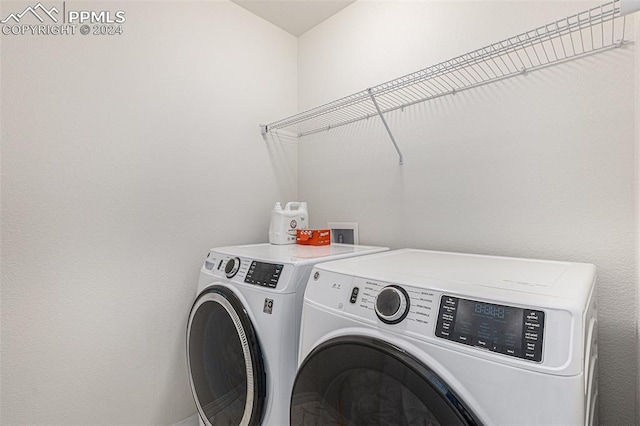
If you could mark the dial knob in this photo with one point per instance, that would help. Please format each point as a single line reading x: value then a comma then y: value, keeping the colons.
x: 232, y: 266
x: 392, y: 304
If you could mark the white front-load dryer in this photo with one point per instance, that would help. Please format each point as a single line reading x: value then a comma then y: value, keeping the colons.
x: 243, y: 328
x: 412, y: 337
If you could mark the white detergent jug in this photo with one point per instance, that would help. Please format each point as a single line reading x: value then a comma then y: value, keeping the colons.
x: 286, y: 222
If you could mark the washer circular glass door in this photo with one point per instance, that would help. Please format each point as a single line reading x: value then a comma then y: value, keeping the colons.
x: 359, y: 380
x: 226, y: 370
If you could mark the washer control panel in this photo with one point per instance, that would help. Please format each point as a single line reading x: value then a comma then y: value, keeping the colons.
x: 412, y: 309
x: 517, y: 332
x: 537, y: 333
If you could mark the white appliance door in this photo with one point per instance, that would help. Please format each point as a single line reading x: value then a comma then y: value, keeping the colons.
x: 226, y: 367
x: 358, y: 380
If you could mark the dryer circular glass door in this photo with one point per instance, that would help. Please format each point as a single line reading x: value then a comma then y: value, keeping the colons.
x: 226, y: 370
x: 359, y: 380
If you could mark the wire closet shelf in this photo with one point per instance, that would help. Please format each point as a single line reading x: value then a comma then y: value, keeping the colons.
x: 594, y: 30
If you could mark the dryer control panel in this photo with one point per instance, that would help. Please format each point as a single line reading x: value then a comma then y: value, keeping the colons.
x: 507, y: 330
x: 248, y: 271
x: 264, y: 274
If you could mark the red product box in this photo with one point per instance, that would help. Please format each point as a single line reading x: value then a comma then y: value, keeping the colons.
x: 313, y: 237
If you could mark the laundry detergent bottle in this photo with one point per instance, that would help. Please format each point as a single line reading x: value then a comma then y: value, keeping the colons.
x: 286, y: 222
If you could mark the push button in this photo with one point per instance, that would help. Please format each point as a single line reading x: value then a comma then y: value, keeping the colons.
x: 354, y: 295
x: 450, y: 301
x: 532, y: 316
x: 531, y: 336
x: 463, y: 338
x: 481, y: 343
x: 532, y: 326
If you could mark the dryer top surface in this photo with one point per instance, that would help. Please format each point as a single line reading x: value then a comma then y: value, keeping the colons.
x: 297, y: 254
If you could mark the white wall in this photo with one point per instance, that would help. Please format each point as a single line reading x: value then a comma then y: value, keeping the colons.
x: 124, y: 159
x: 637, y: 123
x: 539, y: 166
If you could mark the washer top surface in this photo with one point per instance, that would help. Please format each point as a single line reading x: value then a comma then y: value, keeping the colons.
x: 472, y: 273
x: 295, y: 253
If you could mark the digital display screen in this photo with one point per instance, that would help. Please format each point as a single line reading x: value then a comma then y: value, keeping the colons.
x: 494, y: 324
x: 264, y: 274
x: 508, y: 330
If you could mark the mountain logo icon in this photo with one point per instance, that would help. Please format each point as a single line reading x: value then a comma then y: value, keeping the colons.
x: 39, y: 11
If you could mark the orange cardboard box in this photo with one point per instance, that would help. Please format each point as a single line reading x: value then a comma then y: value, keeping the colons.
x: 313, y: 237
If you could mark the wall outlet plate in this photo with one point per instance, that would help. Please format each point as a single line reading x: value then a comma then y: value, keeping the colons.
x: 344, y: 232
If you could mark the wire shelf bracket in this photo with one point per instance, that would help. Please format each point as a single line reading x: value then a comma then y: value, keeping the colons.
x: 386, y: 126
x: 586, y: 33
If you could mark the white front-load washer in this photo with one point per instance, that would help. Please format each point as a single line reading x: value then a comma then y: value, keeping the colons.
x: 243, y: 328
x: 412, y: 337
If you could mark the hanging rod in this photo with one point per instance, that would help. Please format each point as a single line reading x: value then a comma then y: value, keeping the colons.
x: 594, y: 30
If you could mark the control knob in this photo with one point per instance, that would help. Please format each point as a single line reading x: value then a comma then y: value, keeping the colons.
x: 392, y: 304
x: 232, y: 266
